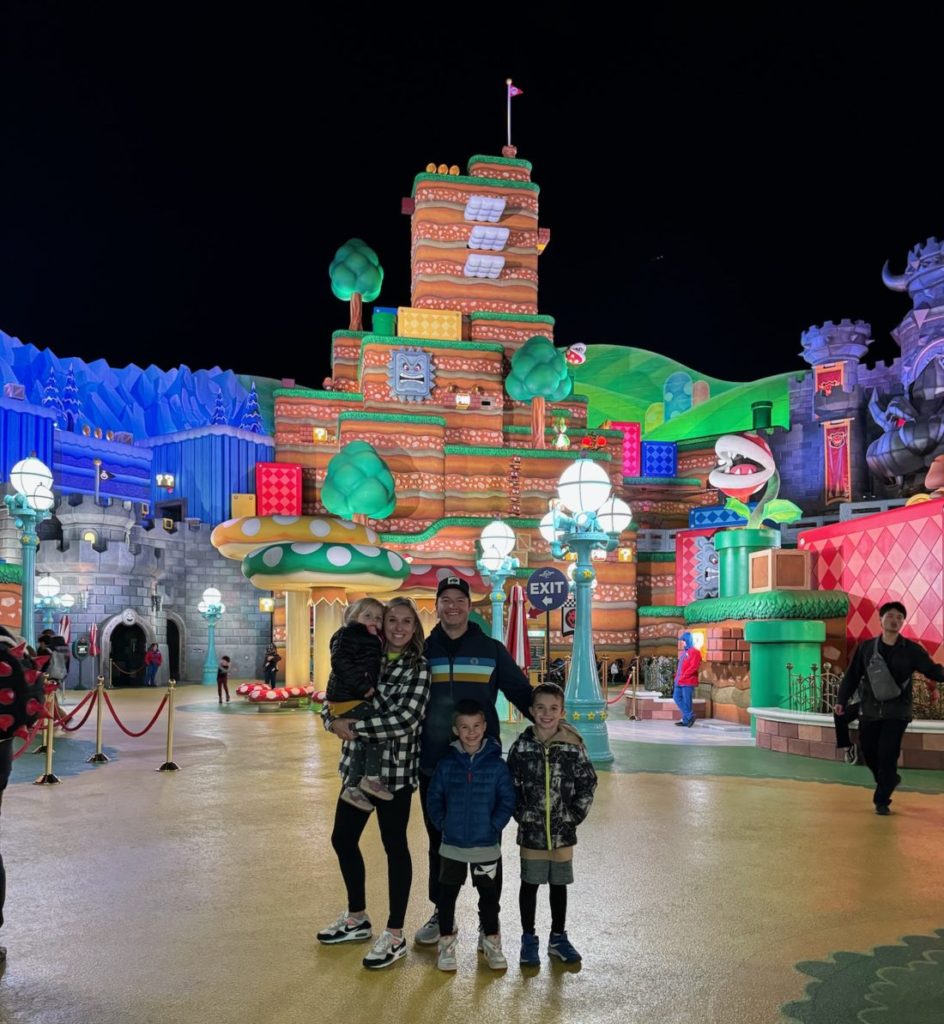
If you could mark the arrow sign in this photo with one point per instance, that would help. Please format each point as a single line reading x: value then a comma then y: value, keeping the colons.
x: 547, y: 589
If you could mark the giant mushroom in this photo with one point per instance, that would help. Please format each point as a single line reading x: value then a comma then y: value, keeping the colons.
x: 317, y: 557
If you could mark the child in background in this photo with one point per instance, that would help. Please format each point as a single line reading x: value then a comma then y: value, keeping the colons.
x: 554, y: 784
x: 222, y: 678
x: 356, y: 651
x: 470, y: 801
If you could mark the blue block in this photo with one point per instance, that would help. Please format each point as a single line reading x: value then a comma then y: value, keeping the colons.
x: 659, y: 458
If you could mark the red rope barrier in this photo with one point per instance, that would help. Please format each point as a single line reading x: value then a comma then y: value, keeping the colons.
x: 622, y: 693
x: 29, y: 739
x: 62, y: 720
x: 122, y: 727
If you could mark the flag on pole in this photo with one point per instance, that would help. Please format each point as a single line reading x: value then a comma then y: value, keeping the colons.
x: 93, y: 640
x: 65, y: 628
x: 511, y: 91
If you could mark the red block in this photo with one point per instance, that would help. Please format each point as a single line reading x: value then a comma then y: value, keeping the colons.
x: 801, y: 747
x: 278, y: 489
x: 727, y: 645
x: 763, y: 740
x: 779, y: 743
x: 789, y: 729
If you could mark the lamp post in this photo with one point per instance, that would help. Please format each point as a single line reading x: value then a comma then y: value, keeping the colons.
x: 32, y: 503
x: 212, y: 609
x: 584, y: 520
x: 49, y: 600
x: 498, y: 541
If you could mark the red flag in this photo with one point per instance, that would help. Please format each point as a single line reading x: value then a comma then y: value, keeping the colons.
x: 65, y: 628
x: 93, y: 640
x: 513, y: 91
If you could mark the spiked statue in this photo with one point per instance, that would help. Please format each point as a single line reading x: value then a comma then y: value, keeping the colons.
x: 912, y: 419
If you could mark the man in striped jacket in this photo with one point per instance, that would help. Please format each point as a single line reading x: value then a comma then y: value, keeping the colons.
x: 464, y: 664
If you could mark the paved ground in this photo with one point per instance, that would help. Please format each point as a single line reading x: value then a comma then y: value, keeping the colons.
x: 715, y: 883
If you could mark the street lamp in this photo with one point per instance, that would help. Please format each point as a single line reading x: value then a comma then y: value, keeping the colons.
x: 32, y: 503
x: 498, y: 541
x: 585, y: 519
x: 211, y: 608
x: 49, y: 600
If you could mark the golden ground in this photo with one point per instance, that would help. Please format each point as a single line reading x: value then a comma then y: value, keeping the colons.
x: 193, y: 897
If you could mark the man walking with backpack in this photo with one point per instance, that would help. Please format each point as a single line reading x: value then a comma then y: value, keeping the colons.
x: 881, y: 671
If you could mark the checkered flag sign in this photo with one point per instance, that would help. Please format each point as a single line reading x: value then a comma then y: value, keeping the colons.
x: 568, y: 617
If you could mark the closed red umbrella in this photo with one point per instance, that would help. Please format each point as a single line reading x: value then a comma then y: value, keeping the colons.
x: 516, y: 640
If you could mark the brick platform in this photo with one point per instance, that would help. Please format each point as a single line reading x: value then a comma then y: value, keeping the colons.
x: 651, y: 707
x: 792, y: 732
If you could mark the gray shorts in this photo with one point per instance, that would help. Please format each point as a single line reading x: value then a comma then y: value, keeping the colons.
x: 540, y: 872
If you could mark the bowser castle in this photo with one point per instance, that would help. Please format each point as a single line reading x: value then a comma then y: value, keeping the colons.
x: 473, y: 417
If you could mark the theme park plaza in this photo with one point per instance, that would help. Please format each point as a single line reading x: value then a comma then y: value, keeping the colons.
x: 595, y: 504
x: 714, y: 883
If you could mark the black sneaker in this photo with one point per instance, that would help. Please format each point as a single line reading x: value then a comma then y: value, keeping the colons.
x: 345, y: 929
x: 882, y: 809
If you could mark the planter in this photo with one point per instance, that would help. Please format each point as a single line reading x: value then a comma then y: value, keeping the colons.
x: 734, y: 549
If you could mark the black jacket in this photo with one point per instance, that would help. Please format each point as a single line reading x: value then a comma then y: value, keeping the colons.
x: 475, y: 668
x: 355, y: 663
x: 554, y: 783
x: 903, y: 658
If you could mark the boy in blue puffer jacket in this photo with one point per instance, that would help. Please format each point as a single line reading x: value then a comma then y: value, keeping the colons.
x: 471, y: 799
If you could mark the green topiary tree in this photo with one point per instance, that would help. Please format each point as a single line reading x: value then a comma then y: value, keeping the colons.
x: 358, y: 482
x: 538, y: 374
x: 356, y: 277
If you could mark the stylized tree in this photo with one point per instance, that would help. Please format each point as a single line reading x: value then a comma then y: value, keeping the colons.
x: 70, y: 399
x: 356, y: 276
x: 219, y: 413
x: 252, y: 419
x: 538, y: 375
x: 52, y: 400
x: 358, y: 482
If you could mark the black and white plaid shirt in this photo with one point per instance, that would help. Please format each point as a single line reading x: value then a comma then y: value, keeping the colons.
x: 400, y: 703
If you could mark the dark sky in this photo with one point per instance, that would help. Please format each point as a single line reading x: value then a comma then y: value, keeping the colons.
x: 176, y: 184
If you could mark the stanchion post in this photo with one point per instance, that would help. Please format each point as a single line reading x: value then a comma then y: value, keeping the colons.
x: 634, y: 671
x: 169, y: 765
x: 99, y: 757
x: 49, y: 778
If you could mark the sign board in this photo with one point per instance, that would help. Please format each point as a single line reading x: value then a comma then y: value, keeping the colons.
x: 547, y: 589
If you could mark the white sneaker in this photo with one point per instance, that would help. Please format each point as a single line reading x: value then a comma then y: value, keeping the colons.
x: 447, y: 953
x: 494, y: 956
x: 385, y: 951
x: 345, y: 929
x: 428, y: 935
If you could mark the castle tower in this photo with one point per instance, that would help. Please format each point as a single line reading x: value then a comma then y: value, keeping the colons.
x: 838, y: 463
x: 475, y: 248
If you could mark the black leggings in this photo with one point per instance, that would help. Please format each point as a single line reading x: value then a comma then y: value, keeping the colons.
x: 393, y: 816
x: 528, y: 905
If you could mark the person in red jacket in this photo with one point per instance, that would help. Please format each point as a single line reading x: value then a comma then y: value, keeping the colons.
x: 686, y: 679
x: 152, y: 661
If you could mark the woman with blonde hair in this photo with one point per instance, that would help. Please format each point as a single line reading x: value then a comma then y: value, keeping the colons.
x: 399, y: 703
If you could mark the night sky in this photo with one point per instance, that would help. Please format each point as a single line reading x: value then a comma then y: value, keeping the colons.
x: 176, y: 184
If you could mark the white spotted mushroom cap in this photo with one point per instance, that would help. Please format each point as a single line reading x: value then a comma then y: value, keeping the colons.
x: 237, y: 538
x: 367, y: 568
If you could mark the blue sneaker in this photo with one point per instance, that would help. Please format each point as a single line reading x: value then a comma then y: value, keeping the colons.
x: 530, y: 951
x: 559, y: 945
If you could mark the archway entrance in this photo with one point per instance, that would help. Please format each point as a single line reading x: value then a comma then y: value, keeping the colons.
x: 128, y: 645
x: 173, y: 649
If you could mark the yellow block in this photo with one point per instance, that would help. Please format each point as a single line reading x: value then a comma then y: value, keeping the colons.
x: 243, y: 505
x: 432, y: 324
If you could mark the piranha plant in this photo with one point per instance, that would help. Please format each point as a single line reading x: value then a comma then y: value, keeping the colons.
x: 746, y: 468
